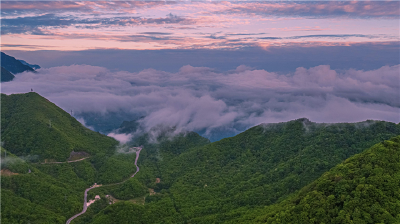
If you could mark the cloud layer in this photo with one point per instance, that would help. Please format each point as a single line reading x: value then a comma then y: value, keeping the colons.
x: 207, y: 101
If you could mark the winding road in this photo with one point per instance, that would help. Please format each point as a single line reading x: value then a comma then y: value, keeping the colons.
x: 88, y: 189
x: 136, y: 159
x: 84, y: 206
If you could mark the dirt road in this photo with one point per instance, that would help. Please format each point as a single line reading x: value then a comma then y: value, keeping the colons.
x: 66, y: 161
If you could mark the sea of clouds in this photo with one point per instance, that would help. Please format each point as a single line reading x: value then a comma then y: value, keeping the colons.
x: 208, y: 101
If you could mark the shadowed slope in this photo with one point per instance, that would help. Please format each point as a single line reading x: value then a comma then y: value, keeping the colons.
x: 6, y: 76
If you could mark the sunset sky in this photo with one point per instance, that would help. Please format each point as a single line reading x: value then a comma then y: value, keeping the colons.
x: 304, y: 58
x: 141, y: 25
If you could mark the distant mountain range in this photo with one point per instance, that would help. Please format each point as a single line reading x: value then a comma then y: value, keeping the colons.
x: 30, y: 65
x: 11, y: 66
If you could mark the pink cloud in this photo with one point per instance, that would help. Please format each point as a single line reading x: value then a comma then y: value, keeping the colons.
x: 319, y: 9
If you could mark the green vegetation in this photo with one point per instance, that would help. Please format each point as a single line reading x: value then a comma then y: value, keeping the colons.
x: 13, y: 163
x: 115, y: 168
x: 165, y: 147
x: 50, y: 193
x: 221, y: 181
x: 37, y: 192
x: 32, y: 125
x: 275, y: 173
x: 363, y: 189
x: 57, y: 189
x: 15, y: 209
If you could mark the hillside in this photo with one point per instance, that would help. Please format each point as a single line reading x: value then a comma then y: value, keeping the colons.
x: 267, y: 172
x: 32, y: 125
x: 13, y: 65
x: 30, y: 195
x: 362, y: 189
x: 262, y: 166
x: 51, y: 193
x: 6, y: 76
x: 58, y: 188
x: 37, y: 192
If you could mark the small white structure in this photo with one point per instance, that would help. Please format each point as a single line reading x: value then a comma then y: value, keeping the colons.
x: 97, y: 197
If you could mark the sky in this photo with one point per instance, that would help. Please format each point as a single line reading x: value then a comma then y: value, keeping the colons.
x: 215, y: 66
x: 68, y: 25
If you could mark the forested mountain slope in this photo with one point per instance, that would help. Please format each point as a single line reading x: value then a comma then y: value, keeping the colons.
x: 36, y: 192
x: 29, y: 195
x: 261, y: 166
x: 32, y: 125
x: 252, y: 177
x: 51, y: 193
x: 363, y: 189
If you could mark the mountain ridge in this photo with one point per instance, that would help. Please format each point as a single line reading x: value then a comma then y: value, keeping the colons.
x: 33, y: 125
x: 35, y: 67
x: 219, y: 181
x: 13, y: 65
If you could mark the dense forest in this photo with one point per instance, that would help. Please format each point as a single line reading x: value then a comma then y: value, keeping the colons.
x: 263, y: 166
x: 296, y: 171
x: 32, y: 125
x: 363, y: 189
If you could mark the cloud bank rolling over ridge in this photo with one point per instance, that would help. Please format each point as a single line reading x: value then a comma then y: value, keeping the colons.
x: 204, y: 100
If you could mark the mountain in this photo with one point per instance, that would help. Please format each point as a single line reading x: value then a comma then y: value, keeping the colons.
x: 51, y: 193
x: 30, y: 65
x: 32, y: 192
x: 362, y: 189
x: 35, y: 188
x: 13, y: 65
x: 223, y: 180
x: 6, y: 76
x: 32, y: 125
x: 290, y: 172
